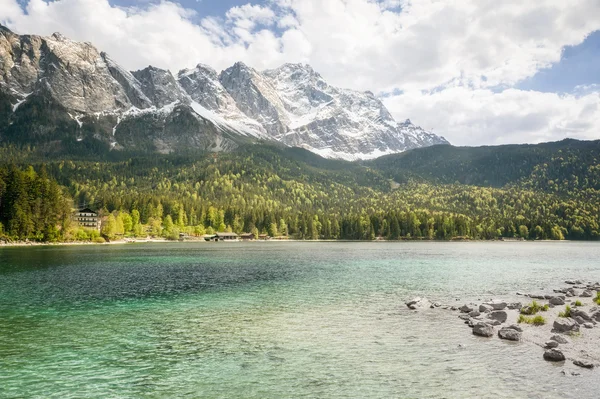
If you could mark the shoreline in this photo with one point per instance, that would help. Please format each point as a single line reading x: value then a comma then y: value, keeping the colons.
x: 165, y: 241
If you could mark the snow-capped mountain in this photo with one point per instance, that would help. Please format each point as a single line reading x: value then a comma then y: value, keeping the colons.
x: 53, y: 89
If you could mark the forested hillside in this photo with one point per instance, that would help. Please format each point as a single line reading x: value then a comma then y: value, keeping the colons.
x: 549, y: 191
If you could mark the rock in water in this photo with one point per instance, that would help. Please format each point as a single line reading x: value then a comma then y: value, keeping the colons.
x: 509, y: 334
x: 565, y: 324
x: 584, y: 364
x: 554, y: 355
x: 483, y: 308
x: 466, y: 308
x: 483, y: 330
x: 418, y: 303
x: 496, y: 304
x: 499, y: 315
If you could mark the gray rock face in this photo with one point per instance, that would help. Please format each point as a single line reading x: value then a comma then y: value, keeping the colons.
x: 499, y: 315
x: 509, y: 334
x: 73, y: 74
x: 292, y: 104
x: 483, y: 330
x: 159, y: 86
x: 554, y: 355
x: 565, y: 324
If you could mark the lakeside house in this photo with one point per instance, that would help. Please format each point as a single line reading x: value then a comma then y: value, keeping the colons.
x: 247, y: 236
x: 264, y: 237
x: 87, y: 218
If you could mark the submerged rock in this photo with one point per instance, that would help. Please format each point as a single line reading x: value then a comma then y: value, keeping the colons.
x: 499, y: 315
x: 466, y: 308
x: 418, y: 303
x: 483, y: 330
x: 583, y: 363
x: 560, y: 339
x: 554, y: 355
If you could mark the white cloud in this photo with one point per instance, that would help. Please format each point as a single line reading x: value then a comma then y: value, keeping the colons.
x: 481, y: 116
x: 454, y: 50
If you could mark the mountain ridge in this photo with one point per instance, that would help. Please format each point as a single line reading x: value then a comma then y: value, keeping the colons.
x: 291, y: 104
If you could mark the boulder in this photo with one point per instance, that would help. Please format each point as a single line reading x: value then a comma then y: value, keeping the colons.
x: 560, y: 339
x: 474, y: 313
x: 580, y: 313
x: 565, y: 324
x: 496, y: 304
x: 515, y: 327
x: 483, y: 330
x: 570, y: 282
x: 493, y: 322
x: 588, y: 325
x: 509, y: 334
x: 466, y: 308
x: 557, y: 301
x: 464, y: 317
x: 579, y: 320
x: 418, y: 303
x: 583, y: 363
x: 499, y: 315
x: 554, y: 355
x: 551, y: 344
x: 537, y: 296
x: 515, y: 305
x: 483, y: 308
x: 586, y: 294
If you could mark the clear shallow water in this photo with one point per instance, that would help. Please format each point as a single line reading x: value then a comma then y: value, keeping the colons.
x: 274, y: 320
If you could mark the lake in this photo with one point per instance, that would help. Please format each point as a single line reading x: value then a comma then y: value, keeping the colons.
x: 275, y: 320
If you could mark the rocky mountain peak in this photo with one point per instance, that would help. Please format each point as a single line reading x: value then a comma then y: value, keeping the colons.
x: 159, y: 85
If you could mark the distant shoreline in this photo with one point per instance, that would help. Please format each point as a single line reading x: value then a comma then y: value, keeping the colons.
x: 164, y: 241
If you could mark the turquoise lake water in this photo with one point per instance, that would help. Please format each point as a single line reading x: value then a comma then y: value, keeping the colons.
x: 275, y: 320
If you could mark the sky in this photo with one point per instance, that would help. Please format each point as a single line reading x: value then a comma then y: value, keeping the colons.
x: 478, y: 72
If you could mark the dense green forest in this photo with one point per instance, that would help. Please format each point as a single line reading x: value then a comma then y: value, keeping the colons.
x: 548, y: 191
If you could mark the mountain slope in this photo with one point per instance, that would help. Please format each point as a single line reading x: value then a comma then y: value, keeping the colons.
x: 103, y: 105
x: 568, y: 165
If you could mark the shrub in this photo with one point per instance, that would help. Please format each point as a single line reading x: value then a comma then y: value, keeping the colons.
x: 99, y: 240
x: 534, y: 308
x: 566, y: 313
x: 538, y: 320
x: 578, y: 303
x: 597, y: 299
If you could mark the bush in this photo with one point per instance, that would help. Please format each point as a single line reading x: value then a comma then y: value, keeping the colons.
x: 538, y: 320
x: 99, y: 240
x: 578, y: 303
x: 566, y: 313
x: 534, y: 308
x: 597, y: 299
